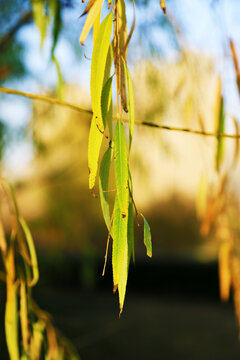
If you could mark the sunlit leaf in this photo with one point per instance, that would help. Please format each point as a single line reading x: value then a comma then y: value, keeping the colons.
x: 103, y: 185
x: 121, y: 168
x: 94, y: 145
x: 236, y: 152
x: 24, y: 316
x: 119, y: 233
x: 40, y: 18
x: 98, y: 65
x: 96, y: 26
x: 60, y: 78
x: 201, y: 198
x: 37, y: 339
x: 130, y: 103
x: 55, y: 8
x: 33, y: 255
x: 93, y: 9
x: 11, y: 310
x: 163, y: 6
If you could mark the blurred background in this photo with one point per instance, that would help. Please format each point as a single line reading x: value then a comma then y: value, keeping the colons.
x: 188, y: 194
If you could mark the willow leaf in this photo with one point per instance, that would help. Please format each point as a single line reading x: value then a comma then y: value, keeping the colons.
x: 11, y: 319
x: 119, y: 233
x: 96, y: 26
x: 94, y: 145
x: 33, y: 255
x: 130, y: 103
x: 147, y: 237
x: 37, y: 339
x: 55, y: 8
x: 103, y: 185
x: 220, y: 139
x: 24, y: 315
x: 99, y: 57
x: 106, y: 102
x: 121, y: 167
x: 92, y: 14
x: 129, y: 250
x: 40, y: 18
x: 131, y: 230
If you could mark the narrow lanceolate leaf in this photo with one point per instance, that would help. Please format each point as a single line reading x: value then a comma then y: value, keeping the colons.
x: 163, y: 6
x: 130, y: 103
x: 99, y: 57
x: 131, y: 230
x: 147, y: 237
x: 119, y: 233
x: 106, y: 101
x: 96, y: 26
x: 11, y: 311
x: 37, y: 339
x: 103, y: 185
x: 129, y: 250
x: 94, y: 145
x: 93, y: 8
x: 121, y: 168
x: 24, y: 316
x: 220, y: 140
x: 40, y: 18
x: 32, y: 251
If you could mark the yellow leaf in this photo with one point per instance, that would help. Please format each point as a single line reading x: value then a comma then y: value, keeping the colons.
x: 92, y: 14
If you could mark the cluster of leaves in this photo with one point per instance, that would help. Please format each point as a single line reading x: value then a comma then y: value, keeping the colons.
x: 37, y: 335
x: 108, y: 50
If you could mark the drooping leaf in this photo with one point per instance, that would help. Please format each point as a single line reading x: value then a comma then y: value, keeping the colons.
x: 94, y: 145
x: 119, y: 233
x: 220, y: 139
x: 32, y: 251
x: 106, y: 101
x: 103, y: 185
x: 98, y: 66
x: 131, y: 230
x: 24, y: 316
x: 129, y: 251
x: 130, y: 103
x: 236, y: 152
x: 40, y: 18
x: 11, y: 310
x: 55, y: 9
x: 121, y: 168
x: 37, y: 339
x: 93, y: 8
x: 147, y: 237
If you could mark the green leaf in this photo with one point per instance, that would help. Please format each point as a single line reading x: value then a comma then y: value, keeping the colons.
x: 129, y: 250
x: 220, y: 140
x: 130, y: 103
x: 24, y: 315
x: 94, y: 145
x: 131, y: 230
x: 103, y: 185
x: 147, y: 237
x: 55, y: 8
x: 119, y: 233
x: 106, y: 101
x: 32, y: 251
x: 121, y: 168
x: 11, y: 319
x: 99, y: 57
x: 37, y: 339
x: 60, y: 78
x: 92, y: 14
x: 40, y: 18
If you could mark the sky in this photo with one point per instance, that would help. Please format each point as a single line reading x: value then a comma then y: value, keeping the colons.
x: 204, y: 29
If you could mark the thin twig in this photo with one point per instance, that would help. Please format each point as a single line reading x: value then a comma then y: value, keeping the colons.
x: 137, y: 122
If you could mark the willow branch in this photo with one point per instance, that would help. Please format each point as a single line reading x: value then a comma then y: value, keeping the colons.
x: 71, y: 106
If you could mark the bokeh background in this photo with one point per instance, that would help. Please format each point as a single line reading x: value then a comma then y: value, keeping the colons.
x: 172, y: 307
